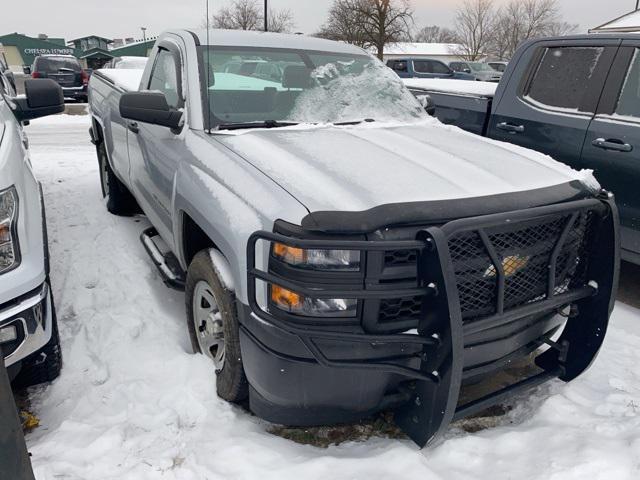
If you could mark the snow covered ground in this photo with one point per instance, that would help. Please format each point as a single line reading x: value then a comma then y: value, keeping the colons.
x: 134, y: 403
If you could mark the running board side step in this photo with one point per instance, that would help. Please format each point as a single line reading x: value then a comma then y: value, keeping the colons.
x: 172, y: 274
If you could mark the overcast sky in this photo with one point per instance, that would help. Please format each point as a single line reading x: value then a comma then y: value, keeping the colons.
x: 123, y: 18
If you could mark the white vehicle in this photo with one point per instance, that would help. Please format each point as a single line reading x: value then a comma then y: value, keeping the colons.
x: 127, y: 63
x: 341, y: 252
x: 28, y: 331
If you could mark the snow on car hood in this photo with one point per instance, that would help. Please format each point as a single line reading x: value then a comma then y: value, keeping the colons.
x: 359, y: 167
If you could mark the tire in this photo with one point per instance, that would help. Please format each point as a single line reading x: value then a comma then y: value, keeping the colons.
x: 231, y: 381
x: 44, y: 365
x: 119, y: 199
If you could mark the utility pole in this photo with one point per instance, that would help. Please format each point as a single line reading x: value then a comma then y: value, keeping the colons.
x: 266, y: 15
x: 637, y: 4
x: 144, y: 33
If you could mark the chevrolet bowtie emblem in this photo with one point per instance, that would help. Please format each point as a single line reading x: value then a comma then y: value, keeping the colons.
x: 510, y: 265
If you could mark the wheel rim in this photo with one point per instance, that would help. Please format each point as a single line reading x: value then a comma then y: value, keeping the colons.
x: 104, y: 174
x: 209, y: 324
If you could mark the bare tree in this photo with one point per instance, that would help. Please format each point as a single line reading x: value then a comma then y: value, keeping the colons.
x: 248, y: 15
x: 344, y: 24
x: 561, y: 28
x: 435, y: 34
x: 522, y: 20
x: 241, y: 15
x: 281, y: 21
x: 475, y: 22
x: 369, y: 23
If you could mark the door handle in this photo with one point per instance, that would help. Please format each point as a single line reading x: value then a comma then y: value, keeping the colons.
x: 612, y: 144
x: 510, y: 127
x: 133, y: 126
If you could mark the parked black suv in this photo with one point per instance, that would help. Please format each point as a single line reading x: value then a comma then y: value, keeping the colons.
x: 64, y: 70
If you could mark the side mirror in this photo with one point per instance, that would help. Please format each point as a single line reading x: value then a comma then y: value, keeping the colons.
x: 150, y: 107
x: 26, y: 70
x: 42, y: 97
x: 466, y: 70
x: 427, y: 103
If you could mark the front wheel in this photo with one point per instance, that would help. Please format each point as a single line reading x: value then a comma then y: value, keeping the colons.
x: 213, y: 326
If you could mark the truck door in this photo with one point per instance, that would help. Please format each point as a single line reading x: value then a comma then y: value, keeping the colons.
x: 154, y: 151
x: 612, y: 145
x: 550, y: 104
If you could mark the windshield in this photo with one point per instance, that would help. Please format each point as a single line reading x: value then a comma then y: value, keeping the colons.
x: 480, y: 67
x: 246, y: 85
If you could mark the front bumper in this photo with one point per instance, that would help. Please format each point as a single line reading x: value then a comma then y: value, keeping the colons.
x: 31, y: 317
x: 302, y: 374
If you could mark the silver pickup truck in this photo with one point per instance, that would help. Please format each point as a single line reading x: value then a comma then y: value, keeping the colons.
x: 28, y: 330
x: 341, y: 252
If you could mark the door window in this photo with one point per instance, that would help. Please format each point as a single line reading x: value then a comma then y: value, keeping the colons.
x: 562, y: 77
x: 164, y: 78
x: 429, y: 66
x: 400, y: 66
x: 422, y: 66
x: 629, y: 101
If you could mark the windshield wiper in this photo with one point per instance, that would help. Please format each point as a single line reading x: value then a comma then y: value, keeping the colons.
x: 265, y: 124
x: 355, y: 122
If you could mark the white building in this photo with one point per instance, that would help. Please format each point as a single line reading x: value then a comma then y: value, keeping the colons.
x: 446, y: 52
x: 629, y: 23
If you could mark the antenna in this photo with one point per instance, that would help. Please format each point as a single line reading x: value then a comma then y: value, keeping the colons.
x: 208, y: 67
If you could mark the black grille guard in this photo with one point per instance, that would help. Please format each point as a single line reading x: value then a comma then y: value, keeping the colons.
x: 434, y: 390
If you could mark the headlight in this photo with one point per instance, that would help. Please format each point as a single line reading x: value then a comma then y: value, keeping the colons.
x: 297, y: 304
x: 9, y: 253
x: 343, y: 260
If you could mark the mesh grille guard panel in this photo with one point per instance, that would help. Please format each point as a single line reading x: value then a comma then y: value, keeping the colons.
x: 523, y: 252
x: 523, y: 255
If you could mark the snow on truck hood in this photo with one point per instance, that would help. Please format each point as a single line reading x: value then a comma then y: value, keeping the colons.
x: 360, y: 167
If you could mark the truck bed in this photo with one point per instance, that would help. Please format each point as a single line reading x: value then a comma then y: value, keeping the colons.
x: 465, y: 104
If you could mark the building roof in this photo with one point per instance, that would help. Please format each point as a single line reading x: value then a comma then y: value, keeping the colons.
x: 96, y: 53
x: 136, y: 49
x: 629, y: 22
x: 422, y: 49
x: 108, y: 40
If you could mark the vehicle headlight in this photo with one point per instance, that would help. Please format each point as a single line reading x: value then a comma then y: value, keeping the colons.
x: 343, y: 260
x: 298, y: 304
x: 9, y: 253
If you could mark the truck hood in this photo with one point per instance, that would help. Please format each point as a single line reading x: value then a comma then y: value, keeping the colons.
x: 360, y: 167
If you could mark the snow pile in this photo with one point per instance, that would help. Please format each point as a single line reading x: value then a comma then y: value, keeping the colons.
x: 460, y: 87
x: 345, y: 95
x: 133, y: 403
x: 127, y: 79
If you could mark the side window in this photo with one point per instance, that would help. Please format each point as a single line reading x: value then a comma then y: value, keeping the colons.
x: 629, y: 100
x: 562, y: 77
x: 439, y: 67
x: 400, y: 66
x: 164, y: 78
x: 422, y: 66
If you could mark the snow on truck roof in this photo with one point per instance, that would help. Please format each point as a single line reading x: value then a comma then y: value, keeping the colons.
x: 241, y: 38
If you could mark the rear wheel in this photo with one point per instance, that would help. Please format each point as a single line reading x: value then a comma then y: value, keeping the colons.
x: 213, y: 326
x: 119, y: 199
